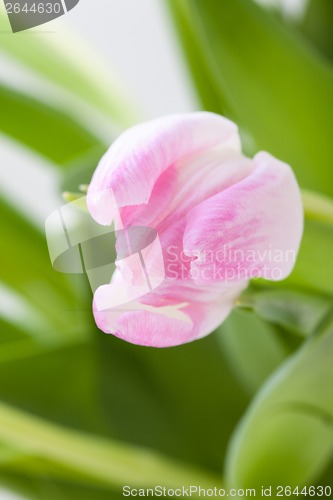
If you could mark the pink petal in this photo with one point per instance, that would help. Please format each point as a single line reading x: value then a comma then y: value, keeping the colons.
x: 139, y: 156
x: 168, y: 324
x: 184, y: 185
x: 202, y: 177
x: 252, y: 229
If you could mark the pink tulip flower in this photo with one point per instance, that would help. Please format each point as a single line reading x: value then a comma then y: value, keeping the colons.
x: 221, y: 218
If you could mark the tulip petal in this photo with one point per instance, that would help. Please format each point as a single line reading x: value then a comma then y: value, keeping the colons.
x: 203, y: 177
x: 140, y: 155
x: 252, y: 229
x: 167, y: 325
x: 184, y: 185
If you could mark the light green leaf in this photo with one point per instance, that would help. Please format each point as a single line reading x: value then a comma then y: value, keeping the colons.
x: 286, y: 436
x: 274, y: 84
x: 314, y: 264
x: 89, y: 458
x: 47, y: 488
x: 51, y: 133
x: 73, y: 66
x: 29, y: 271
x: 317, y: 207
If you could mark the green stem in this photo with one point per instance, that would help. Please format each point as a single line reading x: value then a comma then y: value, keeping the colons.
x: 317, y: 206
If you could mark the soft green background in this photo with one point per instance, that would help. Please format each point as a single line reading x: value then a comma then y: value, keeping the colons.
x: 82, y: 413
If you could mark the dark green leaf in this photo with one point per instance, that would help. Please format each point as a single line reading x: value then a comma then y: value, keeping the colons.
x: 274, y: 84
x: 67, y: 454
x: 206, y: 83
x: 317, y: 25
x: 172, y: 399
x: 59, y: 384
x: 296, y: 311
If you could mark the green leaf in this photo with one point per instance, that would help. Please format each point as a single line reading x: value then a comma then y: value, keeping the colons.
x: 327, y: 477
x: 89, y: 458
x: 17, y: 349
x: 317, y: 25
x: 29, y: 271
x: 80, y: 171
x: 314, y: 264
x: 73, y: 66
x: 296, y: 311
x: 286, y: 436
x: 274, y: 84
x: 47, y: 488
x: 171, y: 399
x: 51, y: 133
x: 253, y: 348
x: 200, y: 69
x: 59, y: 384
x: 317, y: 207
x: 10, y: 332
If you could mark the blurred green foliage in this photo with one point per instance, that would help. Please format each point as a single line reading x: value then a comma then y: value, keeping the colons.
x: 82, y: 413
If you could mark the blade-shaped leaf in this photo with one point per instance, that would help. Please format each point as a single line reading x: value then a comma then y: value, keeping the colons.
x: 73, y: 66
x: 296, y: 311
x: 28, y: 269
x: 253, y: 348
x: 42, y: 128
x: 47, y: 488
x: 27, y: 272
x: 317, y: 25
x: 96, y: 460
x: 286, y: 436
x: 196, y: 58
x: 275, y: 85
